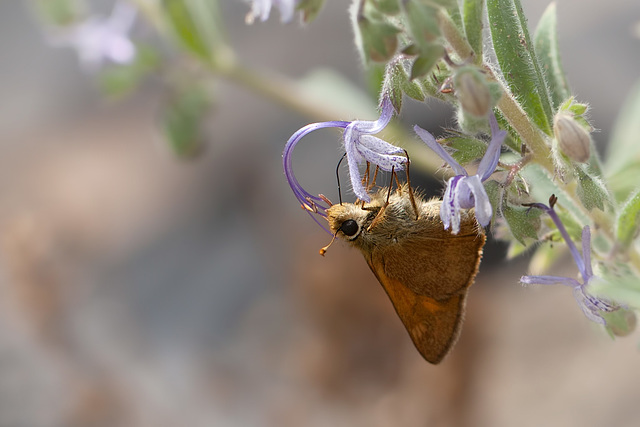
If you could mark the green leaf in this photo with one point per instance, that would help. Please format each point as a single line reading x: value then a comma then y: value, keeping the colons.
x: 517, y: 60
x: 546, y: 43
x: 378, y: 40
x: 422, y: 20
x: 426, y: 60
x: 466, y: 148
x: 628, y: 220
x: 182, y: 119
x: 620, y: 323
x: 196, y: 25
x: 397, y: 82
x: 495, y: 193
x: 473, y: 26
x: 523, y: 222
x: 591, y: 190
x: 622, y: 166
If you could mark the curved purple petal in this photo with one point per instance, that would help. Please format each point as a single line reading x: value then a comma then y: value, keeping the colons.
x: 450, y: 208
x: 356, y: 180
x: 572, y: 246
x: 307, y: 200
x: 484, y: 211
x: 490, y: 159
x: 378, y: 145
x: 549, y: 280
x: 588, y: 307
x: 385, y: 161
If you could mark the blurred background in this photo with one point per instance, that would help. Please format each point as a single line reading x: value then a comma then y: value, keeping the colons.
x: 138, y: 289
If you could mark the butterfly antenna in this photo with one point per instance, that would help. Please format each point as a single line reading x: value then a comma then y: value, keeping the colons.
x: 338, y: 177
x: 378, y: 217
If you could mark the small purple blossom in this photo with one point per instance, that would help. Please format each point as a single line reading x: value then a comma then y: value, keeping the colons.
x: 360, y: 147
x: 464, y: 191
x: 590, y: 305
x: 262, y: 8
x: 98, y: 40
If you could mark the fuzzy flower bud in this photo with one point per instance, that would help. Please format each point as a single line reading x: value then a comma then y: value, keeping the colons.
x: 472, y: 91
x: 572, y: 138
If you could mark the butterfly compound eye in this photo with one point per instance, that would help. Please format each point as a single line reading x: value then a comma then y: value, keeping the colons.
x: 349, y: 227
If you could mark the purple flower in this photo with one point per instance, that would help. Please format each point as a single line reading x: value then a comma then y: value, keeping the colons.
x: 98, y: 40
x: 590, y: 305
x: 360, y: 146
x: 464, y: 191
x: 262, y: 8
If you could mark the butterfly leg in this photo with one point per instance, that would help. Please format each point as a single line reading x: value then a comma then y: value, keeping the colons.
x: 378, y: 217
x: 411, y: 197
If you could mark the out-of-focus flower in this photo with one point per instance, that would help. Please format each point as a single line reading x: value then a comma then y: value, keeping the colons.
x: 262, y: 8
x: 360, y: 146
x: 98, y: 40
x: 590, y: 305
x: 464, y: 191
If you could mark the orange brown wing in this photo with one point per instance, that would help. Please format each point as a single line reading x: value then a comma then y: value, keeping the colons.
x: 433, y: 325
x: 435, y: 267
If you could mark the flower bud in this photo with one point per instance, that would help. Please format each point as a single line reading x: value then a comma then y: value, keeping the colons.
x: 572, y: 138
x: 473, y: 91
x: 621, y: 322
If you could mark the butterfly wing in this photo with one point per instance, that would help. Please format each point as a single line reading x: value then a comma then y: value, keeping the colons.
x: 434, y: 267
x: 434, y: 325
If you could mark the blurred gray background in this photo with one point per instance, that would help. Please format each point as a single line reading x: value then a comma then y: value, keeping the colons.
x: 140, y: 290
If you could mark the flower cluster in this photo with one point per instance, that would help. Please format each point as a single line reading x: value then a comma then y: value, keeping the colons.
x: 360, y: 144
x: 100, y: 40
x: 261, y: 9
x: 590, y: 305
x: 464, y: 191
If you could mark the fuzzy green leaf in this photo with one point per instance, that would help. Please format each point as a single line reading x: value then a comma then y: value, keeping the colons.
x: 518, y: 62
x: 422, y: 20
x: 473, y: 26
x: 495, y: 193
x: 379, y: 40
x: 546, y: 43
x: 591, y: 189
x: 466, y: 148
x: 620, y: 323
x: 426, y: 60
x: 628, y: 220
x: 396, y: 82
x: 523, y: 222
x: 182, y: 121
